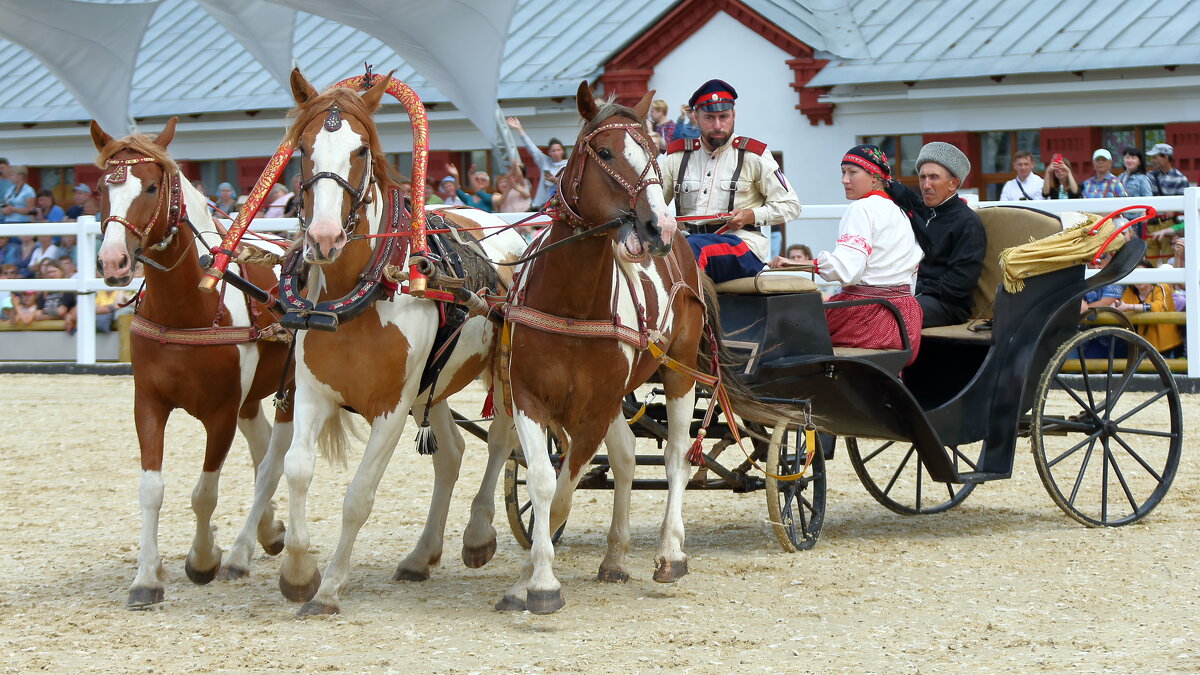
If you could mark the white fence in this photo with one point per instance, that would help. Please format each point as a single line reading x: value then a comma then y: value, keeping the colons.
x: 87, y: 283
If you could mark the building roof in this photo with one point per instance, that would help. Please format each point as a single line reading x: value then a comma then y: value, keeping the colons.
x: 914, y: 40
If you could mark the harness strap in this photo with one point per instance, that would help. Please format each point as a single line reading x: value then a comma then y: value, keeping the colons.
x: 683, y: 164
x: 210, y: 336
x: 737, y: 173
x: 582, y: 328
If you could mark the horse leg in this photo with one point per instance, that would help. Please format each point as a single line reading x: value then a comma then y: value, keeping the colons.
x: 671, y: 563
x: 620, y: 442
x: 360, y: 498
x: 446, y: 464
x: 479, y: 539
x: 204, y: 560
x: 537, y: 589
x: 150, y: 418
x: 268, y: 466
x: 298, y: 575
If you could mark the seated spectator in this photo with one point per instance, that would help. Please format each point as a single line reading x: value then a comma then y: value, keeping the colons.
x: 18, y: 204
x: 24, y: 308
x: 54, y: 304
x: 277, y: 200
x: 481, y: 197
x: 448, y: 190
x: 67, y: 263
x: 7, y: 271
x: 91, y: 207
x: 44, y: 249
x: 1104, y: 183
x: 660, y: 124
x: 1027, y: 185
x: 1134, y: 179
x: 19, y: 254
x: 1105, y: 296
x: 431, y: 197
x: 1059, y: 181
x: 685, y: 126
x: 67, y: 245
x: 1165, y: 180
x: 109, y: 303
x: 796, y: 254
x: 80, y: 194
x: 5, y: 183
x: 550, y: 162
x: 1139, y: 298
x: 512, y: 191
x: 953, y: 236
x: 45, y: 210
x: 226, y: 199
x: 875, y: 257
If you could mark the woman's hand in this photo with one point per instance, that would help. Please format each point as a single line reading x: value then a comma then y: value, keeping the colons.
x: 514, y: 124
x: 453, y: 171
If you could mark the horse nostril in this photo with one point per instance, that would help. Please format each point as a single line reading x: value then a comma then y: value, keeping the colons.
x: 123, y: 263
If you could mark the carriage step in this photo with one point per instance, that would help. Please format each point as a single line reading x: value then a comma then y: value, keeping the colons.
x: 982, y: 476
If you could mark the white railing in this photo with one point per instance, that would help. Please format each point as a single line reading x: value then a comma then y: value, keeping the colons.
x: 86, y: 282
x: 1189, y: 275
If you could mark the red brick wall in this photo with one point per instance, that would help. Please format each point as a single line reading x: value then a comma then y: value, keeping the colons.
x: 1184, y: 138
x: 1076, y: 145
x: 88, y: 174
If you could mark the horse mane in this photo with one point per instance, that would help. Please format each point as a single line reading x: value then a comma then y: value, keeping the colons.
x: 140, y: 144
x: 608, y: 108
x: 351, y: 104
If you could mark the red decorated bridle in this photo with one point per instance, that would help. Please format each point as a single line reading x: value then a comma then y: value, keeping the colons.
x: 361, y: 196
x: 569, y: 181
x: 169, y: 195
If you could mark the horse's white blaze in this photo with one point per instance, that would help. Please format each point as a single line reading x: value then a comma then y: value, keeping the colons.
x: 332, y: 151
x: 114, y: 246
x: 638, y: 159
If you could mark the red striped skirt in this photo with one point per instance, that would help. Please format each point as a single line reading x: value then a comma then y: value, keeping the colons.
x: 872, y: 326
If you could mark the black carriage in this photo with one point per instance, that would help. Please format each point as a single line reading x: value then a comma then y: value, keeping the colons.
x: 1024, y: 366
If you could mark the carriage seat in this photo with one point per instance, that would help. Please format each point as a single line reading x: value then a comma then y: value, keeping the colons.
x: 769, y: 282
x: 1005, y: 227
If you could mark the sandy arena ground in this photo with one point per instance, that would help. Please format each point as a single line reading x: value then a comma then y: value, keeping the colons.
x: 1004, y: 583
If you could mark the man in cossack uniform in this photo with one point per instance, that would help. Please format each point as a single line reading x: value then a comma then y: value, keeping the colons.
x: 723, y: 173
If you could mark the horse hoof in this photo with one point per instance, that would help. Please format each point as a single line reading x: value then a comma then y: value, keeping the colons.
x: 509, y: 603
x: 230, y: 573
x: 669, y: 571
x: 479, y: 556
x: 275, y: 546
x: 312, y: 608
x: 545, y: 602
x: 144, y: 597
x: 612, y: 575
x: 410, y: 575
x: 300, y: 592
x: 201, y: 577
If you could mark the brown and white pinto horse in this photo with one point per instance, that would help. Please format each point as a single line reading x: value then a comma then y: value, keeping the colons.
x: 190, y: 349
x: 580, y: 321
x: 373, y: 363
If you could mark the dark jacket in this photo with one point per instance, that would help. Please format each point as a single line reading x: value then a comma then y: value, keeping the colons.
x: 954, y: 247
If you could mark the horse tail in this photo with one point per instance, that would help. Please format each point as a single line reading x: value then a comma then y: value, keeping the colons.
x: 745, y: 402
x: 333, y: 439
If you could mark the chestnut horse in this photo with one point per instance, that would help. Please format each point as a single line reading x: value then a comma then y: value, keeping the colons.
x: 190, y: 349
x: 586, y: 320
x: 373, y: 363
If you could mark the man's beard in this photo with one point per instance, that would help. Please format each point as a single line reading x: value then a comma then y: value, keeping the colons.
x: 714, y: 142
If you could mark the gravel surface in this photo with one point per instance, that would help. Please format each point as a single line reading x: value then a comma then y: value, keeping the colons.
x: 1003, y: 583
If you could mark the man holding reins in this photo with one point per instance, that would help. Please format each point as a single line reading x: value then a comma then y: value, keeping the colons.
x: 723, y: 173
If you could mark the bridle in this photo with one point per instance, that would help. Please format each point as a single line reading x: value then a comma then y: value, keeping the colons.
x: 361, y: 196
x: 168, y: 195
x: 572, y: 180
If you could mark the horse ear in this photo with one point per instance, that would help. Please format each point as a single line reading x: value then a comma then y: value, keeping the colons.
x: 99, y: 137
x: 301, y: 89
x: 643, y: 107
x: 168, y: 133
x: 585, y: 101
x: 372, y: 96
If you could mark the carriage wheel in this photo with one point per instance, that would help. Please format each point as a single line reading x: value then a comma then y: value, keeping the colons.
x: 796, y: 507
x: 1123, y: 434
x: 516, y: 497
x: 895, y: 477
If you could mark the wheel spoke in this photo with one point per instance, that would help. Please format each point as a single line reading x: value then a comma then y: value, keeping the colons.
x: 1087, y: 407
x: 1048, y: 421
x: 899, y: 470
x: 967, y: 460
x: 1142, y: 406
x: 1082, y: 470
x: 1087, y: 383
x: 1104, y: 481
x: 1126, y: 380
x: 1112, y: 348
x: 875, y: 454
x: 920, y: 481
x: 1150, y: 432
x: 1138, y: 458
x: 1070, y: 451
x: 523, y: 509
x: 1121, y: 479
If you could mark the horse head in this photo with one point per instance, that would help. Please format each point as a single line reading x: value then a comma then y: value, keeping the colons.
x: 341, y: 160
x: 612, y: 178
x: 134, y: 193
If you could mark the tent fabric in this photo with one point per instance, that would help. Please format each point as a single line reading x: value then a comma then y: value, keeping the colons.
x: 103, y: 41
x: 265, y: 29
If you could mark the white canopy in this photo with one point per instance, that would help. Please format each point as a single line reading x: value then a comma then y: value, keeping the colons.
x: 91, y: 47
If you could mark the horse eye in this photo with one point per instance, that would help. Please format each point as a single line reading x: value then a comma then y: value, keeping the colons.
x: 151, y: 188
x: 362, y: 152
x: 604, y: 154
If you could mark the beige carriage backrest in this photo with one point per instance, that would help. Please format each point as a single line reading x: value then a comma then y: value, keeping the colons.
x: 1005, y: 226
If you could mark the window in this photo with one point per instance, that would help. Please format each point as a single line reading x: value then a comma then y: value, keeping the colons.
x: 59, y: 180
x: 1116, y: 139
x: 217, y: 171
x: 996, y: 152
x: 901, y: 151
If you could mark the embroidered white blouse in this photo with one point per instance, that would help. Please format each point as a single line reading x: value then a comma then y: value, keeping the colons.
x: 875, y: 245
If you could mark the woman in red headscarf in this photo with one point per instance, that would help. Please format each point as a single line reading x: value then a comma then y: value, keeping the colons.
x: 876, y: 256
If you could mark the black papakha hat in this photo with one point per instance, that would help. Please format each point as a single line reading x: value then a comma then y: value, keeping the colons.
x: 713, y: 96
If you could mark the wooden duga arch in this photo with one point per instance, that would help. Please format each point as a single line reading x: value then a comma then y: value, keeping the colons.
x: 215, y: 356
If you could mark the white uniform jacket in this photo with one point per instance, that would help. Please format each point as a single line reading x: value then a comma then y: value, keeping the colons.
x: 715, y: 183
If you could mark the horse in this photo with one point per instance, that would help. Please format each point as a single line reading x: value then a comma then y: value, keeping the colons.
x: 373, y: 364
x: 197, y: 351
x: 613, y: 296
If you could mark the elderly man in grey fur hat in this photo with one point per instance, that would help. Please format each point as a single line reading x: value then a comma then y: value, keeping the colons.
x: 954, y: 240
